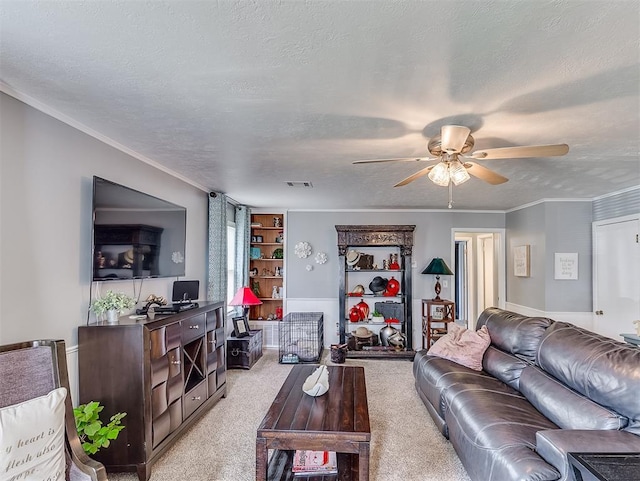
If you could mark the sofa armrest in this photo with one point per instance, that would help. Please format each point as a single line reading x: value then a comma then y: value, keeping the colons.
x: 553, y: 445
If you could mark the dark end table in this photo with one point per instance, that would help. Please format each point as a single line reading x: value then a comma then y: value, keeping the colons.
x: 605, y: 466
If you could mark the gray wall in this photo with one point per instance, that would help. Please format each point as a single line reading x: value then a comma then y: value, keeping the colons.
x: 46, y: 173
x: 432, y: 238
x: 551, y: 227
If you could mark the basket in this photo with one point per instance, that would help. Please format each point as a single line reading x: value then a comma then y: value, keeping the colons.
x: 338, y: 353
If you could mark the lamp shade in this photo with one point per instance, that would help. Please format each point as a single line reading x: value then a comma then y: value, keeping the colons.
x: 245, y: 297
x: 438, y: 267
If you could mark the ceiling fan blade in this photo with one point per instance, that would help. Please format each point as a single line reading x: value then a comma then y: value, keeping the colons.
x: 403, y: 159
x: 484, y: 174
x: 453, y: 137
x: 522, y: 152
x: 415, y: 176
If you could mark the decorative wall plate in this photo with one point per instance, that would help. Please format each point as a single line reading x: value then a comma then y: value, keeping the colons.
x: 302, y: 250
x: 321, y: 258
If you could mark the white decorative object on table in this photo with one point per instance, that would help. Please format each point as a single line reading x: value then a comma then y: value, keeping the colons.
x: 303, y: 249
x: 321, y: 258
x: 317, y: 383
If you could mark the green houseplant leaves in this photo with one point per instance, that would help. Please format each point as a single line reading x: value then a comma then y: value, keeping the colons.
x: 92, y: 433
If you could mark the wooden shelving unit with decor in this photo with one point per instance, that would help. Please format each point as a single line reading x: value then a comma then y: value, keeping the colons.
x: 378, y: 242
x: 266, y: 265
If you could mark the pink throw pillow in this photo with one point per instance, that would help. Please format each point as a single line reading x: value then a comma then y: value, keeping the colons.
x: 462, y: 346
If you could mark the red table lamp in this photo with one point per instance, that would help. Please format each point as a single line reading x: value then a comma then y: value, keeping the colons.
x: 246, y: 298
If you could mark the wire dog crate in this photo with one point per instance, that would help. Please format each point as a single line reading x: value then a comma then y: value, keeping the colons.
x: 301, y: 337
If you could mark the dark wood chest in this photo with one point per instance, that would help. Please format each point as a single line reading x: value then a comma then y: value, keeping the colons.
x: 243, y: 352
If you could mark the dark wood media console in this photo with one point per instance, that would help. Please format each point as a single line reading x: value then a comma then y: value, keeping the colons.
x: 164, y: 373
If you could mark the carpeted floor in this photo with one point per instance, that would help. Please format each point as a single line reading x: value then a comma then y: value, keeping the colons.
x: 405, y: 444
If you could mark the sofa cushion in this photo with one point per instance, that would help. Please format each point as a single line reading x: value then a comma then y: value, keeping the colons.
x: 494, y: 433
x: 434, y: 375
x: 565, y: 407
x: 514, y: 333
x: 503, y: 366
x: 462, y: 346
x: 604, y: 370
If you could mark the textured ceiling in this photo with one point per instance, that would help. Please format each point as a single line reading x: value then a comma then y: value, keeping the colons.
x: 241, y: 96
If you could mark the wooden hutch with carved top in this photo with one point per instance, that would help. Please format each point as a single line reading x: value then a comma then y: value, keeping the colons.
x: 381, y: 251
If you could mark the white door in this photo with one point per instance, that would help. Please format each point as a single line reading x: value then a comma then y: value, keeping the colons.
x: 616, y: 276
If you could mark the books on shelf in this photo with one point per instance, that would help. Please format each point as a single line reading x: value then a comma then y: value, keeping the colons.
x: 306, y: 462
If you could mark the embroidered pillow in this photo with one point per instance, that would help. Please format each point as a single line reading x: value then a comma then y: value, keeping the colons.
x: 462, y: 346
x: 32, y: 439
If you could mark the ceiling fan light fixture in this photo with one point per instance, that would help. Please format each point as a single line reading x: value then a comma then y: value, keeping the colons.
x: 439, y: 175
x: 458, y: 173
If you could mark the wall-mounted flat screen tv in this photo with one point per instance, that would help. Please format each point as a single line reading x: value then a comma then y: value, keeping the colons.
x: 135, y: 235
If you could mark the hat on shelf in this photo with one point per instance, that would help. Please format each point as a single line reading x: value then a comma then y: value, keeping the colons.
x: 362, y: 332
x: 352, y: 258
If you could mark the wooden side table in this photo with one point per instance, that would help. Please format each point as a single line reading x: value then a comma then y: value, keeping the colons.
x: 435, y: 316
x: 604, y: 466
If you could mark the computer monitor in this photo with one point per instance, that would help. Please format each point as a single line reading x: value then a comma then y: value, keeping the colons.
x: 185, y: 291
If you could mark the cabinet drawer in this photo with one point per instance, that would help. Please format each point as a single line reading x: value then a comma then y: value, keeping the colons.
x: 192, y: 328
x: 164, y: 339
x: 194, y: 398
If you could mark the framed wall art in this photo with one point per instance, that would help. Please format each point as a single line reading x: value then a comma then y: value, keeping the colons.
x: 521, y: 261
x: 566, y: 266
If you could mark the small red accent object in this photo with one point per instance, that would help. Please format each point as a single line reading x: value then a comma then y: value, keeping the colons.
x: 394, y: 266
x: 392, y: 320
x: 393, y: 287
x: 364, y: 309
x: 354, y: 314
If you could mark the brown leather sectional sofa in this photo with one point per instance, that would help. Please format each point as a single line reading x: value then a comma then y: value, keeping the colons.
x: 547, y: 388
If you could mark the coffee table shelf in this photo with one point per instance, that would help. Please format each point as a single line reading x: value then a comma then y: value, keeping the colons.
x: 281, y: 463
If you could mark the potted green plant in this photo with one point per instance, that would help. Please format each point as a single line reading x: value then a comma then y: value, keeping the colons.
x: 113, y: 303
x: 92, y: 433
x: 377, y: 318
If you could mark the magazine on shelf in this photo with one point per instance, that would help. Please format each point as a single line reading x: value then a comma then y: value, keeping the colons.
x: 307, y: 462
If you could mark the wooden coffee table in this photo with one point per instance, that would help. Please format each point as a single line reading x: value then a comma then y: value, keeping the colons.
x: 336, y: 421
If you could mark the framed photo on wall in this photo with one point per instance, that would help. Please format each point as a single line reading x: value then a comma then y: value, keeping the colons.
x: 240, y: 326
x: 521, y: 261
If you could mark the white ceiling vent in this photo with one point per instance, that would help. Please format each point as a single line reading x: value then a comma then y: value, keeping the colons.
x: 299, y: 183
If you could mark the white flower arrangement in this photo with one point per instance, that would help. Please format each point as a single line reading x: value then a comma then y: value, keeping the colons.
x: 117, y: 301
x: 321, y: 258
x: 302, y: 250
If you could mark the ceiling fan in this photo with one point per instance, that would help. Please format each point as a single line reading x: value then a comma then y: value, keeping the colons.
x: 453, y: 166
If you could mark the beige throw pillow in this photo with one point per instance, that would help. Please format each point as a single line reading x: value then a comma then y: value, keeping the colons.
x: 32, y: 439
x: 462, y: 346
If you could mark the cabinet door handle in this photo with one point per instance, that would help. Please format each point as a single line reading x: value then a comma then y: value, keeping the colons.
x: 195, y: 398
x: 195, y: 326
x: 175, y: 362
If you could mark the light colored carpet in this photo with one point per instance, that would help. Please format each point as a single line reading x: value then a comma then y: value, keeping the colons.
x: 405, y: 444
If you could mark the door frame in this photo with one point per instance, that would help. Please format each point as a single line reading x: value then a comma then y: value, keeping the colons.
x: 501, y: 256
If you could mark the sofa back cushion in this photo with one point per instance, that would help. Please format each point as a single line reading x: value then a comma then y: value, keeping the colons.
x: 604, y: 370
x: 503, y: 366
x: 565, y: 407
x: 514, y: 333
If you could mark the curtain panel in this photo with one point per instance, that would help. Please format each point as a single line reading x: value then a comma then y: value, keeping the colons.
x: 217, y: 275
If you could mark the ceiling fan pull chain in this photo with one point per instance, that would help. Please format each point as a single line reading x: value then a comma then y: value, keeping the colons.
x: 450, y: 204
